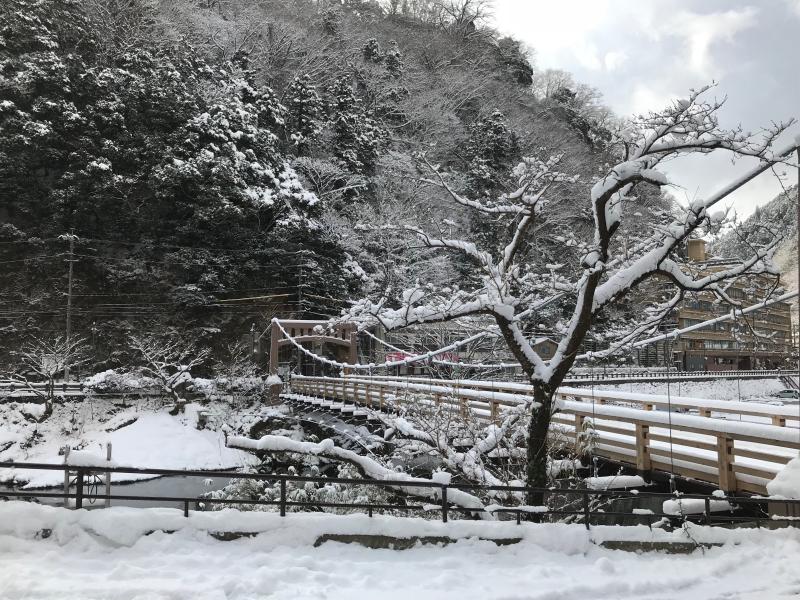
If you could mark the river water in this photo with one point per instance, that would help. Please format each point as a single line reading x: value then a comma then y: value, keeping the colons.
x: 179, y: 486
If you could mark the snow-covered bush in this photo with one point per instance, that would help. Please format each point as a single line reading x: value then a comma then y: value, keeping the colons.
x: 311, y: 492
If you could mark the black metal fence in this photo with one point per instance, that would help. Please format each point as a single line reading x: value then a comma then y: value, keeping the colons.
x: 580, y: 504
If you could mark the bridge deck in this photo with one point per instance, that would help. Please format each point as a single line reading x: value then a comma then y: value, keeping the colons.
x: 737, y: 456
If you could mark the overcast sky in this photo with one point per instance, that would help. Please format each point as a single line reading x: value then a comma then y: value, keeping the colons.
x: 642, y: 53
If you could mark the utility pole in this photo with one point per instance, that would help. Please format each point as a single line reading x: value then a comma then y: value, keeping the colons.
x: 797, y: 249
x: 71, y: 261
x: 300, y: 280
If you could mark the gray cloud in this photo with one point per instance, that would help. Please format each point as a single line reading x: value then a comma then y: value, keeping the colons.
x: 642, y: 54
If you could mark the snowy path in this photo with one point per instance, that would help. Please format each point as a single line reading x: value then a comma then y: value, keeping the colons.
x: 556, y: 562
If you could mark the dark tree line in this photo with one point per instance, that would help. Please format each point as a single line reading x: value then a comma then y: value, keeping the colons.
x: 197, y: 168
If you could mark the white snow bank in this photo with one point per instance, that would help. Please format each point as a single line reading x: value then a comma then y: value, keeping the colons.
x: 121, y: 525
x: 104, y: 554
x: 787, y: 482
x: 31, y: 409
x: 614, y: 482
x: 156, y: 440
x: 274, y: 380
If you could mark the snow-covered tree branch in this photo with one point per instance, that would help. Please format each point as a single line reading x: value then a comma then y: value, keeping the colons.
x: 511, y: 283
x: 170, y: 362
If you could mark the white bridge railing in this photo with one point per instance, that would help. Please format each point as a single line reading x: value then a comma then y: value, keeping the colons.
x: 738, y: 456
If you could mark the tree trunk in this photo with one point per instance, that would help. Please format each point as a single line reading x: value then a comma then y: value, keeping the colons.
x: 537, y: 441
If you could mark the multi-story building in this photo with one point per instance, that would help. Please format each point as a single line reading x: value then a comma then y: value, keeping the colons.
x: 759, y: 340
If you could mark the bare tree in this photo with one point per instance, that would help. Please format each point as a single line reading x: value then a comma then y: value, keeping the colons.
x: 47, y: 358
x: 236, y: 374
x: 169, y: 361
x: 513, y: 286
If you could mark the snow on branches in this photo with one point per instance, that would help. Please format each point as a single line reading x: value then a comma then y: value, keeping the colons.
x: 169, y: 361
x: 510, y: 284
x: 370, y: 467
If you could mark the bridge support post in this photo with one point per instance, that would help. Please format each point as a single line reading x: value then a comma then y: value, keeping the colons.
x: 643, y: 464
x: 352, y: 354
x: 274, y: 339
x: 578, y: 435
x: 727, y: 478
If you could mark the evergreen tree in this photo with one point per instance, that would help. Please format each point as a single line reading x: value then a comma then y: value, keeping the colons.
x: 372, y: 51
x: 303, y: 113
x: 357, y: 137
x: 394, y: 60
x: 492, y: 148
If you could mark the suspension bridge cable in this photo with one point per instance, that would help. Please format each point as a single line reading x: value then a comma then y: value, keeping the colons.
x: 407, y: 361
x: 447, y: 362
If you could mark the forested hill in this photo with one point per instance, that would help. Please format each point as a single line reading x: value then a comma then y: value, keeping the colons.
x: 197, y: 153
x: 779, y: 215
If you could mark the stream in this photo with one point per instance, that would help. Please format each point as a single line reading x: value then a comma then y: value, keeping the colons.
x: 161, y: 486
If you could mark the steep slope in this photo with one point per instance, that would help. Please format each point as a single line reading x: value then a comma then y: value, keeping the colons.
x: 178, y: 142
x: 778, y: 214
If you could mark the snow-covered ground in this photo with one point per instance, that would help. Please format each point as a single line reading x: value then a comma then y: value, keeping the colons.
x: 141, y: 436
x: 746, y: 390
x: 105, y: 554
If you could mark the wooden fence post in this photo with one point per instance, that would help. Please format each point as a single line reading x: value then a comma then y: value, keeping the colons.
x: 79, y: 488
x: 108, y: 475
x: 727, y: 478
x: 66, y: 475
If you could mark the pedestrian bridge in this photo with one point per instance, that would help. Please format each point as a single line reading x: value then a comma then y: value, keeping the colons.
x: 737, y: 446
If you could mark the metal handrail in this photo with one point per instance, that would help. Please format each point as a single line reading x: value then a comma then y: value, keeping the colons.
x: 444, y: 506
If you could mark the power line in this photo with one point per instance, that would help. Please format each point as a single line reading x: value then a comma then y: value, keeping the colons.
x: 40, y: 257
x: 151, y: 244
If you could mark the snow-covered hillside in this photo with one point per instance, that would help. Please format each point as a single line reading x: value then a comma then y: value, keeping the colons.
x: 778, y: 213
